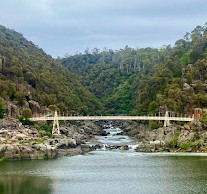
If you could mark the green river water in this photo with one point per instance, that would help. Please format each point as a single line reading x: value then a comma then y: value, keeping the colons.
x: 107, y: 172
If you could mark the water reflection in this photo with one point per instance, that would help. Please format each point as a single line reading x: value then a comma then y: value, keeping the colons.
x: 13, y: 184
x: 107, y: 172
x: 24, y: 177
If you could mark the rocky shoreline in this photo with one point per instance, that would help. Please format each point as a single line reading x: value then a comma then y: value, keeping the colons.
x: 190, y: 137
x: 18, y: 142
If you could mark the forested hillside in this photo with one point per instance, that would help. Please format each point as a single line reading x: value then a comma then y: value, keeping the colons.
x: 139, y: 81
x: 27, y: 72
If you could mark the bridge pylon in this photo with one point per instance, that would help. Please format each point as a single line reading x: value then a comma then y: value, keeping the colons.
x: 56, y: 126
x: 167, y: 121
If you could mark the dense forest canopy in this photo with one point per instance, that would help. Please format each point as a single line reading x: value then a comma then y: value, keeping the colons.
x: 139, y: 81
x: 27, y: 72
x: 125, y: 81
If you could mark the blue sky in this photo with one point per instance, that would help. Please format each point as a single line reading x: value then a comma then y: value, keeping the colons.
x: 71, y: 26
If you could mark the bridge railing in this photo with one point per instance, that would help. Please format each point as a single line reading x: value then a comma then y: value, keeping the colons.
x: 157, y: 118
x: 56, y: 118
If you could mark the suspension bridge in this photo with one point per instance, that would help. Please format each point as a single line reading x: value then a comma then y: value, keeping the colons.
x: 56, y: 118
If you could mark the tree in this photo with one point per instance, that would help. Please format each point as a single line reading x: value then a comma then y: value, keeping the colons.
x: 201, y: 100
x: 1, y: 108
x: 153, y: 107
x: 27, y: 113
x: 204, y: 119
x: 54, y: 108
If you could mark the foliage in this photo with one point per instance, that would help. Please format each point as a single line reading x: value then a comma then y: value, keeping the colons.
x: 26, y: 121
x: 204, y: 119
x: 47, y: 128
x: 29, y: 73
x: 185, y: 145
x: 45, y: 157
x: 153, y: 107
x: 1, y: 108
x: 173, y: 144
x: 54, y: 108
x: 125, y: 81
x: 177, y: 133
x: 4, y: 159
x: 138, y: 81
x: 154, y: 125
x: 197, y: 145
x: 27, y: 113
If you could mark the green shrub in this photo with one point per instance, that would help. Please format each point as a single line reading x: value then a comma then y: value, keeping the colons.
x: 27, y: 113
x: 154, y: 125
x: 54, y: 108
x: 197, y: 145
x: 204, y: 119
x: 45, y: 157
x: 195, y: 137
x: 3, y: 159
x: 1, y: 108
x: 26, y: 121
x: 185, y: 145
x: 153, y: 106
x: 45, y: 127
x: 173, y: 143
x: 177, y: 133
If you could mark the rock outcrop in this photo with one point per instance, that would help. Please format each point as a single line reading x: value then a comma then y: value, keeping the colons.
x: 26, y: 142
x: 189, y: 137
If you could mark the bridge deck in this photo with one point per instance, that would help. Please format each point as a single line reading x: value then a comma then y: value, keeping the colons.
x: 83, y: 118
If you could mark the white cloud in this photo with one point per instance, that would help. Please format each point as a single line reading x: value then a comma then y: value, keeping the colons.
x: 60, y: 26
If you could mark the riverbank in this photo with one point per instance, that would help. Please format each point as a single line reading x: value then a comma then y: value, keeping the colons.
x: 190, y: 137
x: 19, y: 141
x: 108, y: 171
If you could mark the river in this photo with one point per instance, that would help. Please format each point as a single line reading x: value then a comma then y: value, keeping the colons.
x: 107, y: 172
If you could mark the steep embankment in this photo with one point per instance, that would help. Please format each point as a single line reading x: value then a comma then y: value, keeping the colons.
x: 28, y: 73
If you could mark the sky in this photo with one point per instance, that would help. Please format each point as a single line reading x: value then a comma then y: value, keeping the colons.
x: 72, y: 26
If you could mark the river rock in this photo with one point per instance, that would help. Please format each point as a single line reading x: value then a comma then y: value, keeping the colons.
x: 124, y: 147
x: 66, y: 143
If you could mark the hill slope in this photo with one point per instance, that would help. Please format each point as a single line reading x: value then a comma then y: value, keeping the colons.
x: 139, y: 81
x: 27, y: 72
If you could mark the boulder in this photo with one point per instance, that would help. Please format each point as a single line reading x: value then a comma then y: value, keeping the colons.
x: 124, y: 147
x: 186, y: 86
x: 21, y: 136
x: 157, y: 143
x: 187, y: 127
x: 143, y: 148
x: 66, y: 143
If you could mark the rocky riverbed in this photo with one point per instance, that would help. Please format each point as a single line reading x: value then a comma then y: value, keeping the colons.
x: 190, y: 137
x: 19, y: 142
x: 26, y: 142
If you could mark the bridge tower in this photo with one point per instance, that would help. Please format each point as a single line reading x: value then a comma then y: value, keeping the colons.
x: 56, y: 126
x: 167, y: 121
